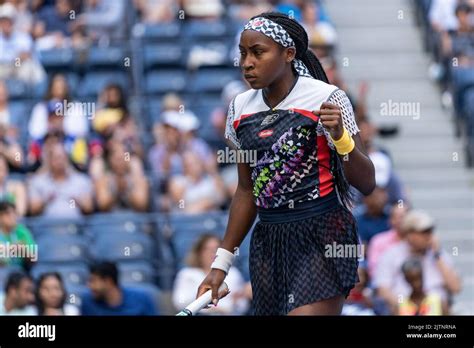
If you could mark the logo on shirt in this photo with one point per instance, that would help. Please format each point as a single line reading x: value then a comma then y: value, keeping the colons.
x: 269, y: 119
x: 265, y: 133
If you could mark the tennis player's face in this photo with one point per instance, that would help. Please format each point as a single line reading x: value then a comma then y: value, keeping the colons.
x: 262, y: 60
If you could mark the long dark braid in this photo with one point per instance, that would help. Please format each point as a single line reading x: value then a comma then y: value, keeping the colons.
x: 300, y: 38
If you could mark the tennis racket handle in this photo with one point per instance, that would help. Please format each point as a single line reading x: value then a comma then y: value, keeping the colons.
x: 203, y: 300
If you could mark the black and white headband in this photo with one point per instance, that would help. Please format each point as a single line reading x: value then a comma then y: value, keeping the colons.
x: 278, y: 34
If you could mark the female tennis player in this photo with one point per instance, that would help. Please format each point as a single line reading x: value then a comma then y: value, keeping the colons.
x: 308, y: 152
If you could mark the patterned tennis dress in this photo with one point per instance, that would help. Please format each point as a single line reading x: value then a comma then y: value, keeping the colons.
x: 301, y: 217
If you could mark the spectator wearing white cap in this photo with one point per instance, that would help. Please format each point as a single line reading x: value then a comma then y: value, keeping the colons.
x: 16, y: 54
x: 439, y: 276
x: 175, y: 134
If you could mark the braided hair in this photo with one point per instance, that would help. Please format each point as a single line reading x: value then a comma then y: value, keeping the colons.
x: 300, y: 38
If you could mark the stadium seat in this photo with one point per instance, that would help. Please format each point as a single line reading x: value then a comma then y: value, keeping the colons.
x: 164, y: 81
x: 205, y: 105
x: 107, y: 223
x: 75, y: 293
x: 163, y: 54
x: 211, y: 80
x: 17, y: 89
x: 133, y: 272
x: 151, y: 290
x: 42, y: 226
x: 201, y: 29
x: 57, y: 59
x: 95, y: 82
x: 62, y: 248
x: 157, y: 32
x: 73, y: 275
x: 186, y: 229
x: 106, y: 57
x: 122, y: 247
x: 19, y: 113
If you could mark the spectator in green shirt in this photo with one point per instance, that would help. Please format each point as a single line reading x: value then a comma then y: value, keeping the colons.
x: 17, y: 246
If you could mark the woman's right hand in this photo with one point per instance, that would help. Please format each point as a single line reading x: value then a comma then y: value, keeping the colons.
x: 213, y: 281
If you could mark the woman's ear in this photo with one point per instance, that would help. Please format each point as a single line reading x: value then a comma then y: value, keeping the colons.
x: 290, y: 54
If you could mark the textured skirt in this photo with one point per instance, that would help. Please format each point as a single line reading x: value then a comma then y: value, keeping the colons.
x: 300, y: 262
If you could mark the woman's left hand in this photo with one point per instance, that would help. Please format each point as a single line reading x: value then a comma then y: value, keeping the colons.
x: 330, y: 117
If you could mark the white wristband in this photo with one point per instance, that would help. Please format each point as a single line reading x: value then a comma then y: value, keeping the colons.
x: 223, y: 260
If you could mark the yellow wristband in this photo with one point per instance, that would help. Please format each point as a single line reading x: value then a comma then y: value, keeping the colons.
x: 345, y: 144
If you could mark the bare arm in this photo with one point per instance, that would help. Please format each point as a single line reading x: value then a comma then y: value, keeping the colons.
x: 104, y: 197
x: 450, y: 277
x: 358, y: 168
x: 20, y: 198
x: 241, y: 217
x: 242, y: 210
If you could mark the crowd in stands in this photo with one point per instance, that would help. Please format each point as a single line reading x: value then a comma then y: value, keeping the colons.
x: 111, y: 116
x: 448, y: 28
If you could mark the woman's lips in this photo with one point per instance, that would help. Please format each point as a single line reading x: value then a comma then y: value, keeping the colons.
x: 250, y: 78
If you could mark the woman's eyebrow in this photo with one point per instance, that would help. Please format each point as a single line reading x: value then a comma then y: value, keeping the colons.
x: 257, y: 45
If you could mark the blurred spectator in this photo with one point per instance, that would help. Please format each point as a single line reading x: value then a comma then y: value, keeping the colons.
x: 320, y: 33
x: 199, y: 263
x: 14, y: 234
x: 59, y: 114
x: 112, y: 120
x: 19, y: 295
x: 383, y: 241
x: 59, y: 191
x: 418, y: 302
x: 460, y: 42
x: 9, y: 147
x: 12, y: 191
x: 174, y: 136
x: 439, y: 275
x: 442, y: 15
x: 103, y: 20
x: 17, y: 58
x: 203, y: 9
x: 58, y: 18
x: 51, y: 296
x: 385, y: 176
x: 156, y: 11
x: 373, y: 217
x: 218, y: 117
x: 54, y: 27
x: 108, y: 297
x: 119, y: 180
x: 196, y: 190
x: 244, y: 9
x: 24, y: 17
x: 58, y: 110
x: 359, y: 300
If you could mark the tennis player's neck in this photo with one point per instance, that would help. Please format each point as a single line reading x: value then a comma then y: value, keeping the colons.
x: 275, y: 93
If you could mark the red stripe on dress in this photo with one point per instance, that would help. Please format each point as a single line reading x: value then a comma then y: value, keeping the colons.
x: 324, y: 155
x: 306, y: 113
x: 237, y: 122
